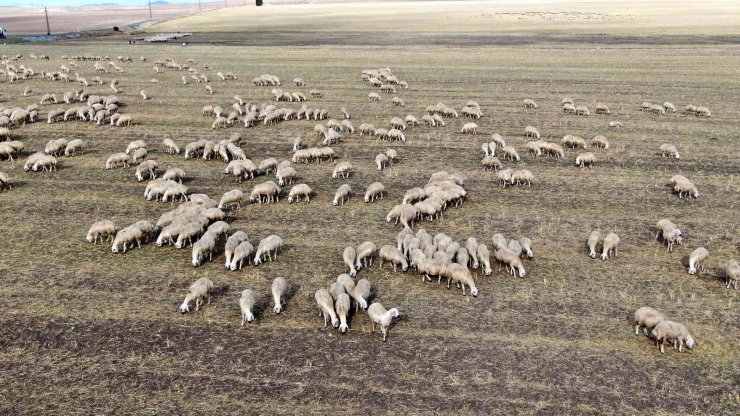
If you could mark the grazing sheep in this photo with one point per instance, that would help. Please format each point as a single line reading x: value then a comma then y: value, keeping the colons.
x: 672, y: 332
x: 124, y: 120
x: 148, y: 168
x: 491, y: 162
x: 374, y: 191
x: 105, y: 230
x: 336, y: 289
x: 231, y: 197
x: 669, y: 151
x: 528, y: 103
x: 231, y: 244
x: 526, y: 245
x: 686, y: 187
x: 531, y: 132
x: 569, y: 108
x: 511, y: 260
x: 573, y: 142
x: 279, y: 285
x: 117, y: 159
x: 349, y: 257
x: 246, y: 304
x: 397, y: 101
x: 5, y: 181
x: 361, y: 294
x: 379, y: 315
x: 200, y: 289
x: 342, y: 170
x: 586, y: 159
x: 73, y: 146
x: 669, y: 107
x: 702, y: 112
x: 326, y: 307
x: 484, y: 256
x: 600, y: 142
x: 602, y: 108
x: 593, y: 243
x: 646, y: 318
x: 342, y: 308
x: 511, y: 153
x: 364, y: 254
x: 497, y: 141
x: 126, y: 236
x: 205, y: 246
x: 286, y: 175
x: 696, y: 260
x: 615, y: 124
x: 582, y: 110
x: 670, y: 233
x: 298, y: 191
x: 504, y: 177
x: 266, y: 247
x: 342, y: 193
x: 381, y: 161
x: 171, y: 146
x: 394, y: 256
x: 522, y: 177
x: 469, y: 128
x: 610, y: 246
x: 732, y: 270
x: 242, y: 252
x: 174, y: 174
x: 374, y: 97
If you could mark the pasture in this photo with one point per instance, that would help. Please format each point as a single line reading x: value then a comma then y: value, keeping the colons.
x: 87, y: 331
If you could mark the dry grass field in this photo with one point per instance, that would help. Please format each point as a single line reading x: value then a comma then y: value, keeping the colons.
x: 85, y: 331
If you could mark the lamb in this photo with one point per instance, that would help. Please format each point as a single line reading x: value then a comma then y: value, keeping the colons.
x: 522, y: 176
x: 585, y: 159
x: 646, y: 318
x: 242, y: 252
x: 528, y: 103
x: 364, y: 254
x: 279, y: 285
x: 600, y: 142
x: 530, y: 132
x: 381, y: 161
x: 469, y: 128
x: 484, y: 256
x: 298, y: 191
x: 459, y: 274
x: 126, y: 236
x: 374, y: 191
x: 732, y: 270
x: 117, y: 159
x: 673, y: 332
x: 326, y: 307
x: 104, y: 229
x: 394, y: 256
x: 205, y: 246
x: 231, y: 244
x: 231, y: 197
x: 593, y: 242
x: 379, y: 315
x: 266, y: 247
x: 696, y: 260
x: 342, y: 193
x: 200, y: 289
x: 342, y: 309
x: 669, y: 151
x: 246, y: 304
x: 349, y: 257
x: 171, y: 146
x: 610, y: 245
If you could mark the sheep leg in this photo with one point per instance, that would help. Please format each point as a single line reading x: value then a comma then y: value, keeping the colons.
x: 637, y: 327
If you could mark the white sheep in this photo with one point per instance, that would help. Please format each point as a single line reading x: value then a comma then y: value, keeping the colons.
x: 696, y: 260
x: 104, y: 229
x: 585, y: 160
x: 342, y: 193
x: 231, y: 244
x: 125, y: 237
x: 394, y: 256
x: 459, y: 274
x: 205, y: 246
x: 374, y: 191
x: 242, y: 252
x: 279, y: 285
x: 231, y: 197
x: 610, y: 246
x: 380, y: 316
x: 298, y: 191
x: 171, y: 146
x: 266, y: 247
x: 646, y: 318
x: 484, y: 256
x: 364, y: 254
x: 673, y: 332
x: 532, y: 132
x: 350, y: 256
x: 361, y: 294
x: 148, y: 168
x: 594, y: 238
x: 342, y: 309
x: 469, y: 128
x: 246, y: 304
x: 200, y: 289
x: 381, y: 161
x: 669, y: 151
x: 326, y: 307
x: 732, y: 270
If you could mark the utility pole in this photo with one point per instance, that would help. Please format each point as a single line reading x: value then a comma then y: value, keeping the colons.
x: 150, y: 9
x: 46, y: 13
x: 199, y: 9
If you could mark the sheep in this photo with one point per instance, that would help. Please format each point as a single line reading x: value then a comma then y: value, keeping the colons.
x: 173, y: 174
x: 342, y: 310
x: 615, y: 124
x: 567, y: 100
x: 55, y: 147
x: 504, y: 177
x: 484, y: 255
x: 732, y: 270
x: 656, y: 109
x: 124, y: 120
x: 602, y: 108
x: 218, y: 228
x: 610, y: 245
x: 702, y: 112
x: 361, y: 294
x: 231, y: 244
x: 573, y: 142
x: 669, y: 107
x: 104, y: 229
x: 349, y: 257
x: 600, y: 142
x: 534, y: 148
x: 144, y: 95
x: 395, y: 134
x: 124, y: 237
x: 397, y: 101
x: 459, y: 274
x: 279, y: 285
x: 246, y: 304
x: 669, y: 151
x: 569, y: 108
x: 394, y: 256
x: 526, y: 245
x: 585, y: 159
x: 266, y: 247
x: 593, y: 242
x: 374, y: 97
x: 117, y: 159
x: 364, y: 254
x: 300, y: 190
x: 231, y: 197
x: 696, y: 260
x: 267, y: 192
x: 582, y: 110
x: 374, y: 191
x: 511, y: 260
x: 673, y: 332
x: 528, y: 103
x: 341, y: 194
x: 326, y: 307
x: 511, y: 153
x: 200, y: 289
x: 379, y: 315
x: 490, y: 162
x: 381, y: 161
x: 342, y: 170
x: 646, y: 318
x: 522, y: 176
x: 398, y: 123
x: 148, y: 167
x: 671, y: 235
x: 5, y: 181
x: 496, y: 141
x: 686, y: 187
x: 171, y: 146
x: 205, y: 246
x: 6, y: 151
x: 242, y: 252
x: 336, y: 289
x: 530, y: 132
x: 188, y: 232
x: 286, y: 175
x: 469, y: 128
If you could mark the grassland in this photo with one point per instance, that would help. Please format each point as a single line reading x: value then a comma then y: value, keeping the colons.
x: 86, y: 331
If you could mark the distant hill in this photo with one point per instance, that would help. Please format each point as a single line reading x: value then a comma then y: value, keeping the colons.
x: 99, y: 5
